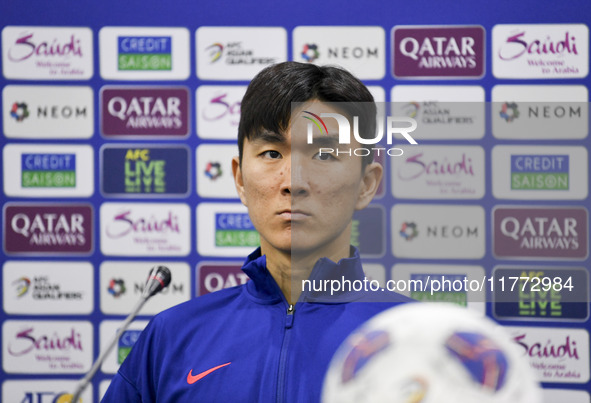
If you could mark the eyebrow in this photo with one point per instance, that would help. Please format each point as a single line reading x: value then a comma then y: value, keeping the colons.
x: 327, y: 141
x: 268, y: 137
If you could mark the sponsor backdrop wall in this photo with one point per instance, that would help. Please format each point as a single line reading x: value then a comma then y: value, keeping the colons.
x: 119, y: 121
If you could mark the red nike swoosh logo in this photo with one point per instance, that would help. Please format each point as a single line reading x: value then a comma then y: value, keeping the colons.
x: 191, y: 379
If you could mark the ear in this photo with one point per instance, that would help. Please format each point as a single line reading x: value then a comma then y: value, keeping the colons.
x: 372, y: 177
x: 238, y: 179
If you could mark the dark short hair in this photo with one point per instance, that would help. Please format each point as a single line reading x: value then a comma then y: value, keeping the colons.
x: 267, y: 104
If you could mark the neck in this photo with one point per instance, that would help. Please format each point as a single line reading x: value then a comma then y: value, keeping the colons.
x: 290, y: 268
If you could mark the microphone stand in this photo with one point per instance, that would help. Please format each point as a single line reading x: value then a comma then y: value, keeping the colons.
x: 97, y: 364
x: 158, y: 278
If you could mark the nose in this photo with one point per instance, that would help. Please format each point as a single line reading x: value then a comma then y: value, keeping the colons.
x: 295, y: 179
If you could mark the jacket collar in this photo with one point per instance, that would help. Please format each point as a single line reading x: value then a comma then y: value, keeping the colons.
x: 264, y: 288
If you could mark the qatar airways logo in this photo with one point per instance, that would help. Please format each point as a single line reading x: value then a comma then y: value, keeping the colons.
x: 345, y: 134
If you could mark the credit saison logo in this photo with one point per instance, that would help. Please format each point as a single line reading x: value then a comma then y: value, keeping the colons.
x: 540, y: 232
x: 144, y: 53
x: 152, y: 111
x: 447, y: 292
x: 345, y: 134
x: 235, y: 229
x: 234, y: 53
x: 125, y: 343
x: 540, y: 172
x: 48, y: 170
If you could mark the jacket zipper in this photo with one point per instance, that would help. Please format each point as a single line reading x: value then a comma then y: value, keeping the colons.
x: 283, y: 354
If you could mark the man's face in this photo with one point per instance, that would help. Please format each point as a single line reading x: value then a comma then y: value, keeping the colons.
x: 298, y: 200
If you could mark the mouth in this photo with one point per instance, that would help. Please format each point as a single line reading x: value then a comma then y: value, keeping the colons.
x: 294, y: 215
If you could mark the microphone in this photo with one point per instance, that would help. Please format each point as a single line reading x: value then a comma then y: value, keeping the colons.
x: 158, y: 279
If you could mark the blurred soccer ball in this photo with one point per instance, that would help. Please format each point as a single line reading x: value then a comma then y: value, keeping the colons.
x: 430, y: 353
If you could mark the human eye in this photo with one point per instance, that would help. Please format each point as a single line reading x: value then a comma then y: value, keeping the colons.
x: 271, y: 154
x: 324, y: 156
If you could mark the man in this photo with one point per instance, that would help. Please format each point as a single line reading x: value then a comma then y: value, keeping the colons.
x: 269, y: 340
